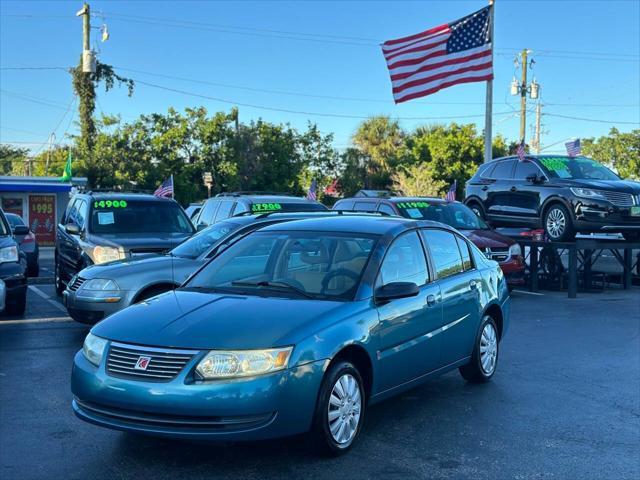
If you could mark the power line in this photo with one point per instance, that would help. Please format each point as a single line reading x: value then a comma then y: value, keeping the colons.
x: 301, y: 112
x: 595, y: 120
x: 66, y: 69
x: 32, y: 99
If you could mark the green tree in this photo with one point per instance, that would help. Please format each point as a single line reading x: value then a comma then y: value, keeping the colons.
x: 12, y: 159
x: 618, y: 150
x: 418, y: 180
x: 382, y: 144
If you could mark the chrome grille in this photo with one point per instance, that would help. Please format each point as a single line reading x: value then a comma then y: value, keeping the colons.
x: 163, y: 364
x: 497, y: 254
x: 619, y: 199
x: 76, y: 283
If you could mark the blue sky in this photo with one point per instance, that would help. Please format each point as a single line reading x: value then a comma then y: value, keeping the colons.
x: 317, y: 57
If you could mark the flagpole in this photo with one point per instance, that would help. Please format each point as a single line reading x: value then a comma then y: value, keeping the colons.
x: 488, y: 115
x: 173, y: 187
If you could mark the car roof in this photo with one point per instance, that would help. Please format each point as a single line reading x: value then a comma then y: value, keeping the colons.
x: 532, y: 157
x: 125, y: 196
x: 397, y: 199
x: 271, y: 216
x: 373, y: 225
x: 265, y: 198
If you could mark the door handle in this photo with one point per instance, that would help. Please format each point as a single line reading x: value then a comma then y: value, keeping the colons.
x: 514, y: 189
x: 473, y: 284
x: 431, y: 300
x: 485, y: 188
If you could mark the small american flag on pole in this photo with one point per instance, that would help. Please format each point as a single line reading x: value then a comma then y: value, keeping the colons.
x: 573, y: 147
x: 451, y: 193
x: 521, y: 152
x: 311, y: 194
x: 443, y: 56
x: 166, y: 189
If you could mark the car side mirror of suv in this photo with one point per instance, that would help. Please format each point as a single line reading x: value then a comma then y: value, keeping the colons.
x: 395, y: 290
x: 21, y: 230
x: 72, y: 229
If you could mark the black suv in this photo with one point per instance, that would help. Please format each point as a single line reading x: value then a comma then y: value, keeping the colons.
x: 225, y: 205
x: 104, y: 227
x: 13, y: 267
x: 564, y: 195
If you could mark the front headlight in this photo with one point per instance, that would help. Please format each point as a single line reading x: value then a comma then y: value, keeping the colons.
x: 105, y: 254
x: 100, y: 284
x: 93, y: 348
x: 515, y: 250
x: 9, y: 254
x: 587, y: 193
x: 243, y: 363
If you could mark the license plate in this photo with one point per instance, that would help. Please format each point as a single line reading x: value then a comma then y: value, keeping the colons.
x: 635, y: 211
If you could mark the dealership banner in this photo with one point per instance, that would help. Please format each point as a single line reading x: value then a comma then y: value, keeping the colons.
x: 42, y: 218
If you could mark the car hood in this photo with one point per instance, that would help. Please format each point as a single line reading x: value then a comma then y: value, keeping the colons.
x: 623, y: 186
x: 163, y: 267
x: 140, y: 242
x: 184, y: 319
x: 487, y: 238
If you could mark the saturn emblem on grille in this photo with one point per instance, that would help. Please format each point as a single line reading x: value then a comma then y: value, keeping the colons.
x: 142, y: 363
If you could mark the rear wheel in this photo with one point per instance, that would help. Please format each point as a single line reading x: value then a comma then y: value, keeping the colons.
x: 340, y: 410
x: 17, y: 304
x: 57, y: 278
x: 558, y: 224
x: 484, y: 359
x: 477, y: 209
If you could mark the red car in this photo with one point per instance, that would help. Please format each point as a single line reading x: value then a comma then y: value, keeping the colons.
x: 495, y: 246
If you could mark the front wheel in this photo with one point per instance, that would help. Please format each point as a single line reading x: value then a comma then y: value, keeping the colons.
x: 484, y: 359
x: 558, y: 224
x: 340, y: 410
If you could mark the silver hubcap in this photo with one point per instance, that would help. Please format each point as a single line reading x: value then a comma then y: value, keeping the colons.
x: 556, y: 223
x: 488, y: 349
x: 476, y: 210
x: 345, y: 404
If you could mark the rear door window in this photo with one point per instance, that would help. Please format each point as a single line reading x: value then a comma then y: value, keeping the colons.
x: 365, y: 206
x: 444, y: 251
x: 467, y: 264
x: 525, y: 169
x: 503, y: 170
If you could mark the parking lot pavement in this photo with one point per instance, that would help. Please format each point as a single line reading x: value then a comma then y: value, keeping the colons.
x: 565, y: 403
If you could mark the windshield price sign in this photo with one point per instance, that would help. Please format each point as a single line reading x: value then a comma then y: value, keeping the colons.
x: 110, y: 204
x: 406, y: 205
x: 266, y: 207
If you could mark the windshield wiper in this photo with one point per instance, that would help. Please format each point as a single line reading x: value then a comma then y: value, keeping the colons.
x: 276, y: 285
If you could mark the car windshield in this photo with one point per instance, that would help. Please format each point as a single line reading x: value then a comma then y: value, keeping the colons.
x: 14, y: 220
x: 202, y: 241
x: 576, y: 168
x: 315, y: 265
x: 115, y: 216
x: 456, y: 215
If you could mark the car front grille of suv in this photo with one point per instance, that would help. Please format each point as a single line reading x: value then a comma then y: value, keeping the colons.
x: 619, y: 199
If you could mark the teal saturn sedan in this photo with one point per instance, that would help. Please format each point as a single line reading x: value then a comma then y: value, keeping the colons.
x: 298, y: 327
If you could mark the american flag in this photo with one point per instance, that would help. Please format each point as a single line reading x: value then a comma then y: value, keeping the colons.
x: 166, y: 189
x: 453, y: 53
x: 573, y: 147
x: 521, y: 152
x: 311, y: 194
x: 451, y: 193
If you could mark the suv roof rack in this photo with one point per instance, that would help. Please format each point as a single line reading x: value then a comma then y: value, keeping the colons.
x: 375, y: 193
x: 253, y: 192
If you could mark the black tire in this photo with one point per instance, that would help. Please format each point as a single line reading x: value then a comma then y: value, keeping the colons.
x: 474, y: 371
x: 322, y: 440
x: 558, y: 224
x: 33, y: 271
x: 57, y: 279
x: 477, y: 209
x: 17, y: 304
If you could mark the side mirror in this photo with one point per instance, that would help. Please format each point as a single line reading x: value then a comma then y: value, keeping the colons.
x: 201, y: 226
x: 21, y: 230
x: 72, y: 229
x: 395, y: 290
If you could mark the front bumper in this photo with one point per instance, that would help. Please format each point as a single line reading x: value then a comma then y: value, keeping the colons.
x: 91, y: 310
x: 15, y: 280
x: 598, y: 215
x: 267, y: 406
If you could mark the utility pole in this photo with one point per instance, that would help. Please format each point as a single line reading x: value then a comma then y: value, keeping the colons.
x: 85, y: 13
x: 488, y: 112
x: 537, y: 136
x: 523, y: 96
